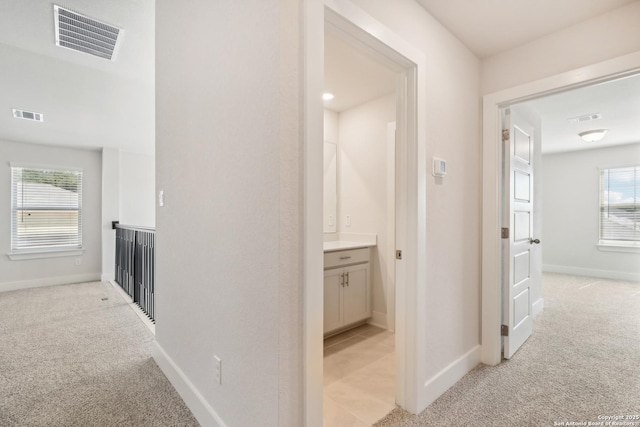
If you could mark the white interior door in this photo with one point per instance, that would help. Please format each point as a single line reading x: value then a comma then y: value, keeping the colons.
x: 517, y: 282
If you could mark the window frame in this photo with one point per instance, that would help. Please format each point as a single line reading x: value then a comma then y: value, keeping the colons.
x: 611, y: 245
x: 44, y: 251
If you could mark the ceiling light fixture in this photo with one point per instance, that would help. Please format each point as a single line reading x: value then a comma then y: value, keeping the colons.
x: 328, y: 96
x: 593, y: 135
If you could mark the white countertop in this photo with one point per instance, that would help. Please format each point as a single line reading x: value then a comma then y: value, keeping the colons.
x: 340, y: 245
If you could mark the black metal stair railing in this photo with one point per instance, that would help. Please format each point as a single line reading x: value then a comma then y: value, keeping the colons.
x: 135, y: 265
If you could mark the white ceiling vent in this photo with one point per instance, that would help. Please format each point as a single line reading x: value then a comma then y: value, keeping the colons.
x: 28, y: 115
x: 84, y: 34
x: 586, y: 118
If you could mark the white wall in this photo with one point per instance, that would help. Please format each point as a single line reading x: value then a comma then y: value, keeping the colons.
x: 570, y: 192
x: 128, y: 196
x: 229, y: 236
x: 52, y: 271
x: 452, y: 303
x: 604, y: 37
x: 331, y: 133
x: 137, y: 189
x: 110, y: 209
x: 363, y: 191
x: 229, y: 263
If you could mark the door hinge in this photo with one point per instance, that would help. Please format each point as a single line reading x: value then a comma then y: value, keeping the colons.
x: 505, y: 135
x: 398, y: 254
x: 504, y: 233
x: 504, y: 330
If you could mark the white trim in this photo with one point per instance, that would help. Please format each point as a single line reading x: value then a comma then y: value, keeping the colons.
x: 104, y: 277
x: 390, y: 271
x: 592, y: 272
x: 135, y: 307
x: 49, y: 281
x: 538, y: 306
x: 491, y: 182
x: 203, y: 412
x: 618, y: 247
x: 313, y: 67
x: 42, y: 166
x: 446, y: 378
x: 47, y: 253
x: 379, y: 319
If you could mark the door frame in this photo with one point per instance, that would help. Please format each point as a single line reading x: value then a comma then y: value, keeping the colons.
x: 410, y: 325
x: 600, y: 72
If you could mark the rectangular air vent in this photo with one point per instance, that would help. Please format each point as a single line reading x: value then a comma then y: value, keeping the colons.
x: 585, y: 118
x: 28, y: 115
x: 84, y: 34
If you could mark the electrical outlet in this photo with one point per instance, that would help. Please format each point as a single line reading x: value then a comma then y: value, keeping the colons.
x: 348, y: 220
x: 218, y: 367
x: 78, y: 261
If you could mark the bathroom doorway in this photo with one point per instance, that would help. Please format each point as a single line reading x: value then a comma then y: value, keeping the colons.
x: 410, y: 200
x: 359, y: 233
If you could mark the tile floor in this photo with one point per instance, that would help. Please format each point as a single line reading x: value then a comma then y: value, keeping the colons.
x: 359, y: 377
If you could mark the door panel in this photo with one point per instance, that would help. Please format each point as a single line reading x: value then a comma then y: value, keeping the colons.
x: 521, y: 270
x: 356, y: 296
x: 521, y: 226
x: 517, y: 310
x: 522, y: 186
x: 332, y: 301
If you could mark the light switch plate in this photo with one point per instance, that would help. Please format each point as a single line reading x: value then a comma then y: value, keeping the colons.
x: 439, y: 167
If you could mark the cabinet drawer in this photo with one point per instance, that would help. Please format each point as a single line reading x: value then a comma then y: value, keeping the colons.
x: 340, y: 258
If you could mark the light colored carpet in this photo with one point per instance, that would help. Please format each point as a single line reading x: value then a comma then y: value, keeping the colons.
x: 77, y: 355
x: 582, y: 362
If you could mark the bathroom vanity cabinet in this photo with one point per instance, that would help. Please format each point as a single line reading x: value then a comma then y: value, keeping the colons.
x: 347, y: 288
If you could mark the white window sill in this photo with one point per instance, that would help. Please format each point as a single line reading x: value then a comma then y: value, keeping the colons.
x: 47, y: 253
x: 619, y: 247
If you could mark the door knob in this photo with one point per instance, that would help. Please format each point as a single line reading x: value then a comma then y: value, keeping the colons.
x: 532, y: 241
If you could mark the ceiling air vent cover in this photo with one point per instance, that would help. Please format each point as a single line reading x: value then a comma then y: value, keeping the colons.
x: 81, y: 33
x: 585, y: 118
x: 27, y: 115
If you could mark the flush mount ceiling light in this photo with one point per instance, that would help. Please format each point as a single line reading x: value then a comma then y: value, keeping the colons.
x: 78, y: 32
x: 28, y: 115
x: 328, y: 96
x: 593, y: 135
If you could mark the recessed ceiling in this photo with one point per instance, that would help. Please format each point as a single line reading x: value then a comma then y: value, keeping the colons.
x: 488, y: 27
x: 618, y: 103
x: 87, y: 101
x: 352, y: 75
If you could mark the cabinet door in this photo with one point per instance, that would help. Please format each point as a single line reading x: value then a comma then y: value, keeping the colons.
x: 356, y: 296
x: 333, y: 299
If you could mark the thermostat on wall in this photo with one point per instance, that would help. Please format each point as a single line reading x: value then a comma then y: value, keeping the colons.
x: 439, y: 167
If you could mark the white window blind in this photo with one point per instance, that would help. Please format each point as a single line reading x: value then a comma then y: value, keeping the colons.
x: 620, y: 205
x: 46, y: 209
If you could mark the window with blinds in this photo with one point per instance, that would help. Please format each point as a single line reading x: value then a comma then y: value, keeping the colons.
x: 46, y: 209
x: 620, y: 205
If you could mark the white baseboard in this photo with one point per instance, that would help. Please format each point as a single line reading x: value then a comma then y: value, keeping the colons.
x: 135, y: 307
x: 445, y: 379
x: 107, y: 277
x: 591, y: 272
x: 203, y: 412
x: 379, y: 319
x: 538, y: 307
x: 49, y: 281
